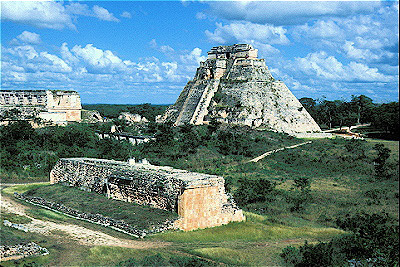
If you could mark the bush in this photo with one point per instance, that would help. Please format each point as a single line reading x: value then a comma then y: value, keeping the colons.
x: 291, y: 255
x: 382, y: 170
x: 373, y: 239
x: 255, y: 190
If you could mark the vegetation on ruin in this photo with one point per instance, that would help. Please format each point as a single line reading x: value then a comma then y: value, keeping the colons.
x: 143, y: 217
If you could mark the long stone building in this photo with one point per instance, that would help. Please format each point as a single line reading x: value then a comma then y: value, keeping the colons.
x: 55, y: 106
x: 199, y: 199
x: 234, y: 86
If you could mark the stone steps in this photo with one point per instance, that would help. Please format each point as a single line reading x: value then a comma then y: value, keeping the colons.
x: 191, y: 102
x: 202, y: 107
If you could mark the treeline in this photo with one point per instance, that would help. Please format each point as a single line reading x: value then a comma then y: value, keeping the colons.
x: 360, y: 109
x: 25, y: 151
x: 110, y: 111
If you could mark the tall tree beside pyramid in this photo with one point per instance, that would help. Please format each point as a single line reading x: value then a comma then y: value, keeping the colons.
x: 234, y: 86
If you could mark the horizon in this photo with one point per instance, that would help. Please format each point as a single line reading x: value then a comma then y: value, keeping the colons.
x: 145, y: 52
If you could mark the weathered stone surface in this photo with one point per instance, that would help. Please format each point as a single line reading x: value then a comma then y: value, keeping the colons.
x: 132, y: 118
x: 21, y: 251
x: 236, y: 87
x: 56, y: 106
x: 199, y: 199
x: 118, y: 225
x: 91, y: 116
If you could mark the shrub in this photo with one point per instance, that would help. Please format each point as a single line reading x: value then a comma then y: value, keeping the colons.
x: 374, y: 239
x: 255, y: 190
x: 291, y: 255
x: 382, y: 170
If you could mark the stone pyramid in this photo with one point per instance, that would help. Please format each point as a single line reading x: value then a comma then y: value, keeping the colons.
x: 235, y: 87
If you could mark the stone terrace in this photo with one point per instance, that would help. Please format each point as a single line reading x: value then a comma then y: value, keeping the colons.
x: 199, y: 199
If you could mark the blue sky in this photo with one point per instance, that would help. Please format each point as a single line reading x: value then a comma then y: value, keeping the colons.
x: 128, y: 52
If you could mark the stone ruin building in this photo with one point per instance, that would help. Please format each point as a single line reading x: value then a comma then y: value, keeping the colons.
x: 199, y: 199
x: 234, y: 86
x: 55, y: 106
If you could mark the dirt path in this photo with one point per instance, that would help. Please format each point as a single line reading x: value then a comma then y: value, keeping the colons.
x: 81, y: 234
x: 276, y: 150
x: 346, y: 128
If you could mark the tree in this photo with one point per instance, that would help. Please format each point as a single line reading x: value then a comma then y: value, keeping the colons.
x: 329, y: 112
x: 345, y: 114
x: 300, y: 193
x: 386, y: 118
x: 188, y: 139
x: 254, y: 190
x: 363, y: 107
x: 147, y: 110
x: 380, y: 162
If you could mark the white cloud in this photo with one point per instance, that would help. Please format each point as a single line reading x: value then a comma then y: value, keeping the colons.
x: 104, y: 14
x: 24, y: 52
x: 201, y: 15
x: 357, y: 53
x: 247, y: 32
x: 51, y: 14
x: 126, y: 14
x: 29, y: 37
x: 56, y: 64
x: 194, y: 57
x: 98, y: 60
x: 42, y: 14
x: 323, y: 66
x: 321, y: 29
x: 288, y: 12
x: 75, y: 8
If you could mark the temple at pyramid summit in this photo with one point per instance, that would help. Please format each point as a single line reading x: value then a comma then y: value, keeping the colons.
x: 234, y: 86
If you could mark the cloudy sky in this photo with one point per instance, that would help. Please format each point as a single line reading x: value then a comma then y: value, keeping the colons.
x: 145, y: 52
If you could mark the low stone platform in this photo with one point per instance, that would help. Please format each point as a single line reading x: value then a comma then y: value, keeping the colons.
x: 199, y: 199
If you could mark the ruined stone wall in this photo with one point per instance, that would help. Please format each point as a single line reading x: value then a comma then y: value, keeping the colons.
x: 199, y: 199
x: 57, y: 106
x: 65, y: 101
x: 201, y: 207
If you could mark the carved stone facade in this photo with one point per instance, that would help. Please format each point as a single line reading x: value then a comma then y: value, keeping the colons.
x: 199, y: 199
x: 236, y: 87
x: 56, y: 106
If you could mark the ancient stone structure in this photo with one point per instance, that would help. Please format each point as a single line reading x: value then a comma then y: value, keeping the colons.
x: 199, y: 199
x: 91, y: 116
x: 56, y: 106
x: 132, y: 118
x: 20, y: 251
x: 234, y: 86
